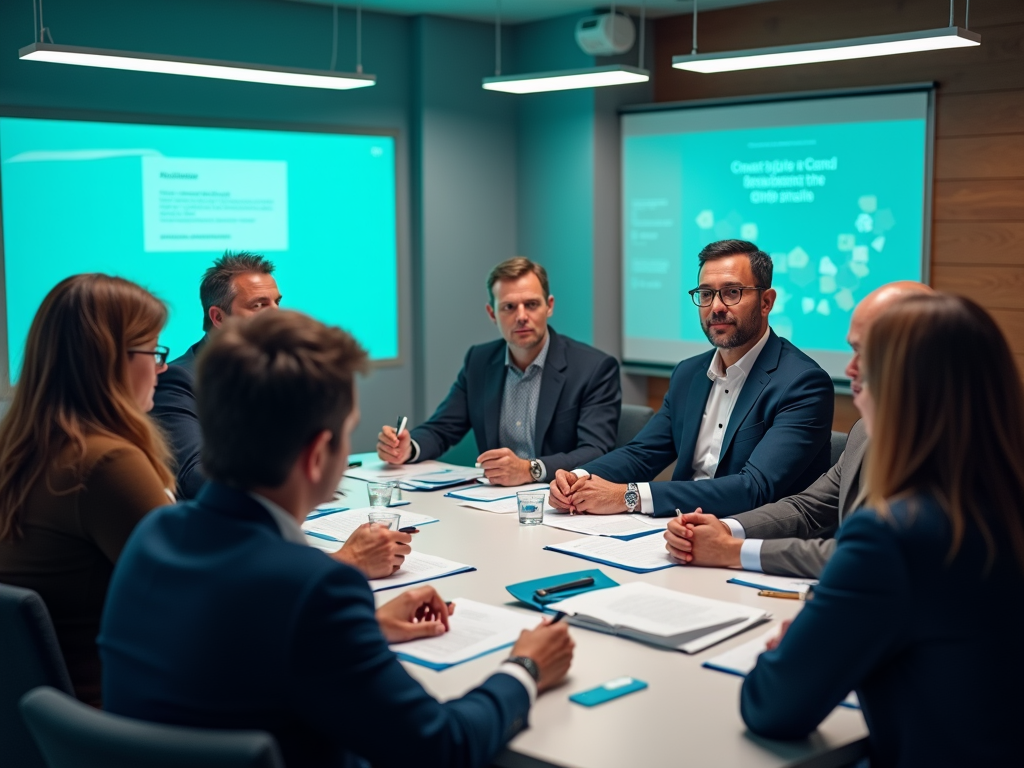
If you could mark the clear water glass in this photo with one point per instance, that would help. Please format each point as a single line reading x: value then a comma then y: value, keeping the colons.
x: 531, y: 507
x: 380, y: 493
x: 390, y: 520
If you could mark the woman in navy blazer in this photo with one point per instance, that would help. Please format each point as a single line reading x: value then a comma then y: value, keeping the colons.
x: 919, y: 610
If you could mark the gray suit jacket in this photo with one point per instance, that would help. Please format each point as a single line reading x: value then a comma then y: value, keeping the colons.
x: 799, y: 530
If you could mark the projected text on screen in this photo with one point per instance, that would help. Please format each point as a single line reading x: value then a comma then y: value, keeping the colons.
x: 832, y: 189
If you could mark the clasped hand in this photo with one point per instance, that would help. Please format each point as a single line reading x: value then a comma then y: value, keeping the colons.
x: 502, y: 467
x: 591, y: 494
x: 375, y: 550
x: 699, y: 539
x: 418, y: 612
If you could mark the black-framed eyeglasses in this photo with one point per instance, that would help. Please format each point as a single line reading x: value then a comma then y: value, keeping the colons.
x: 730, y: 296
x: 160, y: 353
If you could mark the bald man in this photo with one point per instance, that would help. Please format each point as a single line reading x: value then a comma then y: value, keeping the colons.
x: 794, y: 536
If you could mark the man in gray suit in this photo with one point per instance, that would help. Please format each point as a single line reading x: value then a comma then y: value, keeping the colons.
x: 794, y: 536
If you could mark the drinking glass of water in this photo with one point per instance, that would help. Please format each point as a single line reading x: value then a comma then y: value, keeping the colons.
x: 531, y: 507
x: 380, y: 493
x: 389, y: 520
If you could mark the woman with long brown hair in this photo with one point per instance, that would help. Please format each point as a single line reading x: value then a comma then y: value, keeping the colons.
x: 80, y: 461
x: 919, y: 609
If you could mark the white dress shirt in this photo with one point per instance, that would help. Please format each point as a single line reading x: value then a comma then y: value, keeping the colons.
x: 728, y: 383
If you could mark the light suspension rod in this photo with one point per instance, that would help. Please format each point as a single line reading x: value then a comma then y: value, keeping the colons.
x: 832, y: 50
x: 568, y: 79
x: 180, y: 65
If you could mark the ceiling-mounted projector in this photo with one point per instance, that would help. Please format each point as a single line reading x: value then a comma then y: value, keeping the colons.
x: 605, y: 34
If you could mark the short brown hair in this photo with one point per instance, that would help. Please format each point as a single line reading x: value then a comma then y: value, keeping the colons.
x: 265, y: 387
x: 513, y: 269
x: 218, y: 287
x: 760, y: 262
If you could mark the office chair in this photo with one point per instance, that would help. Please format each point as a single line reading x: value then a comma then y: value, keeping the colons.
x: 71, y: 734
x: 838, y: 445
x: 29, y: 657
x: 633, y: 419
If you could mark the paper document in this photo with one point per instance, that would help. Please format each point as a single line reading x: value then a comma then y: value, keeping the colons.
x: 419, y: 567
x: 476, y: 629
x: 493, y: 492
x: 340, y: 525
x: 776, y: 583
x: 651, y: 609
x: 501, y: 506
x: 326, y: 545
x: 377, y: 471
x: 641, y: 555
x: 741, y: 660
x: 605, y: 525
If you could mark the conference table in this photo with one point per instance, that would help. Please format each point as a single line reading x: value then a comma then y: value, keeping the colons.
x: 689, y: 715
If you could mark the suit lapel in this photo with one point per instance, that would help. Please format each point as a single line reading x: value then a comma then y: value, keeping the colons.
x: 551, y: 383
x: 494, y: 387
x: 693, y: 414
x: 758, y: 379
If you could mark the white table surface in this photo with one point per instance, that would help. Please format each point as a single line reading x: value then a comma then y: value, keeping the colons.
x: 688, y: 715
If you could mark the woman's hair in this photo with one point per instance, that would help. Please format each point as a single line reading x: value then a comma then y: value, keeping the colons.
x: 949, y: 416
x: 74, y: 383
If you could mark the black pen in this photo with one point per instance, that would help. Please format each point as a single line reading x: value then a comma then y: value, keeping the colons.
x: 558, y: 617
x: 409, y: 529
x: 587, y: 581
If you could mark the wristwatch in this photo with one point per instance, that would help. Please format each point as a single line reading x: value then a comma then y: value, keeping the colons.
x: 632, y: 497
x: 536, y: 470
x: 528, y: 664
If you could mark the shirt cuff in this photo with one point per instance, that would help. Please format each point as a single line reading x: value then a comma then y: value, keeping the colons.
x: 524, y: 677
x: 750, y: 555
x: 581, y: 473
x: 415, y: 451
x: 543, y: 470
x: 736, y: 527
x: 646, y: 500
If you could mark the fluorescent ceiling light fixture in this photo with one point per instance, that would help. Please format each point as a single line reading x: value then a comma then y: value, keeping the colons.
x: 831, y: 50
x: 567, y: 79
x: 180, y: 65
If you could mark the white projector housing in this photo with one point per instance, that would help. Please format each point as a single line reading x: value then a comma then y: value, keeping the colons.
x: 605, y: 34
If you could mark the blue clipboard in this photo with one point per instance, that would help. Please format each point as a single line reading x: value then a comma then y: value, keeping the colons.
x: 442, y: 667
x: 523, y: 591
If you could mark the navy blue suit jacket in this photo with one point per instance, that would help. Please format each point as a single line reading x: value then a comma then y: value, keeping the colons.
x: 577, y: 413
x: 214, y: 620
x: 174, y: 408
x: 777, y: 442
x: 932, y: 649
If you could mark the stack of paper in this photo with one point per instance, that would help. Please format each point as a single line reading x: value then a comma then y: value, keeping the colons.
x: 419, y: 567
x: 774, y: 583
x: 660, y: 616
x: 340, y: 525
x: 475, y: 630
x: 424, y: 476
x: 641, y: 555
x: 618, y: 526
x: 741, y: 659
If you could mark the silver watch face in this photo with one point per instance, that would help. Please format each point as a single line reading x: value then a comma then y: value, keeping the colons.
x: 535, y: 470
x: 632, y: 499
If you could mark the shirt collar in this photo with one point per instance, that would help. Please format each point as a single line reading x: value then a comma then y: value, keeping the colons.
x: 290, y: 530
x: 539, y: 362
x: 743, y: 365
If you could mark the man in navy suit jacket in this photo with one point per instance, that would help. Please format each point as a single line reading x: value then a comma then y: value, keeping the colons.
x: 220, y: 616
x: 536, y: 401
x: 747, y: 423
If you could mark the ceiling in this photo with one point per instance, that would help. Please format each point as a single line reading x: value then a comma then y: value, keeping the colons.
x: 520, y: 11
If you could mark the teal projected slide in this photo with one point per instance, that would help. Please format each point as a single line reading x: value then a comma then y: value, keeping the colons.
x: 833, y: 189
x: 157, y: 204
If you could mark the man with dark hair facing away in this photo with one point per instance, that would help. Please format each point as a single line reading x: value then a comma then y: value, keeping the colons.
x: 242, y: 285
x: 536, y: 401
x: 219, y: 615
x: 747, y: 423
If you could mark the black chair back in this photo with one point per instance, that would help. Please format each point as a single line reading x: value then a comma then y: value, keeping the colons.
x: 633, y: 419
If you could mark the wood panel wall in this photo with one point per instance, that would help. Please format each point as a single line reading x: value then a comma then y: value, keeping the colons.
x: 978, y: 195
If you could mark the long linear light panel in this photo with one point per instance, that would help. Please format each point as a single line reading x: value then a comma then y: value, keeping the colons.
x: 567, y: 79
x: 831, y: 50
x: 180, y: 65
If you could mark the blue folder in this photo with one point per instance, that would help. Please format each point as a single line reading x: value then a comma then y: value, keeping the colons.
x: 610, y: 563
x: 441, y: 667
x: 523, y: 591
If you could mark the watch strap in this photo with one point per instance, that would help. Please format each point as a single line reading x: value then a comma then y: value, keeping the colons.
x: 528, y: 664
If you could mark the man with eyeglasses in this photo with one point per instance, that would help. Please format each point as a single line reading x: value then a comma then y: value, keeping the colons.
x: 747, y: 423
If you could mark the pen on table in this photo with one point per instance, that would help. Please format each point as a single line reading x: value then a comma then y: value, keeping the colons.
x: 353, y: 464
x: 584, y: 582
x: 783, y: 595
